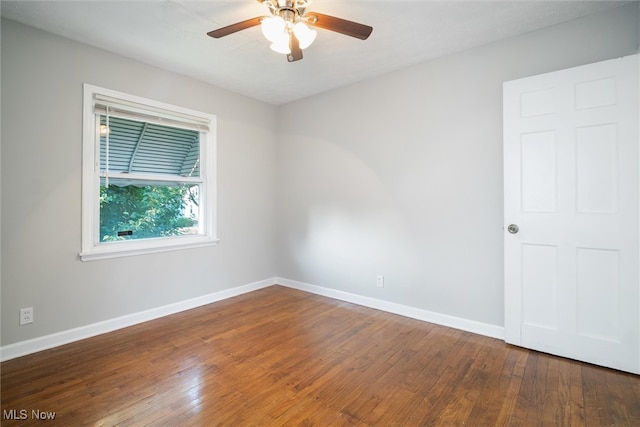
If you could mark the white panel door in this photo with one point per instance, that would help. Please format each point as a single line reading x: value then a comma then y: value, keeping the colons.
x: 571, y: 183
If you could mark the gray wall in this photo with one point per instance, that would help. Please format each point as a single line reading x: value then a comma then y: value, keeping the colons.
x: 42, y: 77
x: 401, y: 175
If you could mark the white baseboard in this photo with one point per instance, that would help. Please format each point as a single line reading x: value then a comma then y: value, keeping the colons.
x: 480, y: 328
x: 34, y: 345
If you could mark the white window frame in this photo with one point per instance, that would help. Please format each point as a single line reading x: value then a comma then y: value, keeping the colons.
x: 92, y: 248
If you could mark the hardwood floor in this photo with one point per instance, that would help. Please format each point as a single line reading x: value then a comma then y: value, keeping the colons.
x: 279, y: 356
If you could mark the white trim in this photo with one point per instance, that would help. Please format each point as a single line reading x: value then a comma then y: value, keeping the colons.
x: 473, y: 326
x: 34, y: 345
x: 142, y: 247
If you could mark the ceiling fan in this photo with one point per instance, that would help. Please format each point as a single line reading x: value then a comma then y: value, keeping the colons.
x: 288, y: 27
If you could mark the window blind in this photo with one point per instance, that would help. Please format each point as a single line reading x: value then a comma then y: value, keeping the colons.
x: 135, y: 147
x: 131, y: 110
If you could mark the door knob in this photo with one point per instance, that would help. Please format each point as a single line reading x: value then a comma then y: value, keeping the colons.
x: 513, y: 228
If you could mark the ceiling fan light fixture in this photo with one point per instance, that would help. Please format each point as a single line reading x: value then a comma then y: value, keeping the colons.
x: 305, y: 35
x: 290, y: 29
x: 273, y: 28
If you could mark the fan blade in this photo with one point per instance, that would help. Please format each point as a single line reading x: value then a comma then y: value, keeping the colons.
x: 339, y: 25
x: 294, y: 46
x: 234, y: 28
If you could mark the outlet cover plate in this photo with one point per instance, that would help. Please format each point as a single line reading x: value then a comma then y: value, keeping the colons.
x: 26, y: 315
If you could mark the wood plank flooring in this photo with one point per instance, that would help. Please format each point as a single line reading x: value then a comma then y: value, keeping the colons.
x: 279, y: 356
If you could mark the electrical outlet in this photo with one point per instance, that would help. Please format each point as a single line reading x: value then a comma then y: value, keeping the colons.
x: 380, y: 281
x: 26, y: 315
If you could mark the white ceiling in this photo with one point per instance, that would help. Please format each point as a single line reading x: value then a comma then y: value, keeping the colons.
x: 171, y: 34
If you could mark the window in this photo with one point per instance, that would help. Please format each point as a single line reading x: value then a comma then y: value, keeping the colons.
x: 148, y: 176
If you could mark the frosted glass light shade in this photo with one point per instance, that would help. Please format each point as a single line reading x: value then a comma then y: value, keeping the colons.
x: 281, y: 45
x: 305, y: 35
x: 273, y: 28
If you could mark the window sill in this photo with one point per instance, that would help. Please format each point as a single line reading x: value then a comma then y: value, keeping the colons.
x: 108, y: 251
